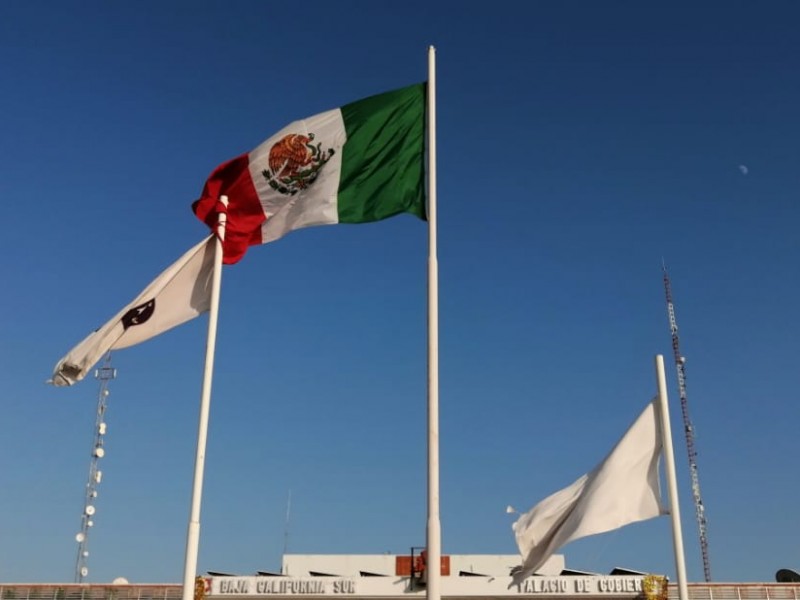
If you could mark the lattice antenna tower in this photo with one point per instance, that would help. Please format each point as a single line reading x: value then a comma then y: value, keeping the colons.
x: 680, y: 366
x: 103, y: 375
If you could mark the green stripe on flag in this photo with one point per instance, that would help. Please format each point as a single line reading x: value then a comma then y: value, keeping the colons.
x: 383, y: 161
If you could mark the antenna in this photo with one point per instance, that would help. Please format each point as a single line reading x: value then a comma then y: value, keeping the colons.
x: 286, y: 528
x: 104, y: 374
x: 680, y: 365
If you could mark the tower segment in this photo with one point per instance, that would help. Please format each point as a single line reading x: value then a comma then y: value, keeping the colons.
x: 104, y: 374
x: 680, y: 367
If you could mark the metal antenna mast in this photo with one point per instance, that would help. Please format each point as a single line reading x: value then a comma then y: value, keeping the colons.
x: 104, y: 374
x: 680, y: 365
x: 286, y: 529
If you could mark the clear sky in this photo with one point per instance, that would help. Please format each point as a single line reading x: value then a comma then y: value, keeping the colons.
x: 580, y: 143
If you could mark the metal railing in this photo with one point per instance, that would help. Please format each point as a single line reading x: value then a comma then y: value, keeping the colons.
x: 90, y: 592
x: 739, y: 591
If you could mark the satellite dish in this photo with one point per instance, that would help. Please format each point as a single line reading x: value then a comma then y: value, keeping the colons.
x: 80, y: 537
x: 787, y: 576
x: 90, y: 510
x: 84, y: 571
x: 99, y: 452
x: 120, y: 581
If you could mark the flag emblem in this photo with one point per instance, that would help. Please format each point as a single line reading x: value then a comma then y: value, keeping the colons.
x: 294, y: 163
x: 139, y: 314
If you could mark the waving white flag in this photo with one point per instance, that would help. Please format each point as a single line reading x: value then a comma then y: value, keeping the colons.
x: 622, y: 489
x: 179, y: 294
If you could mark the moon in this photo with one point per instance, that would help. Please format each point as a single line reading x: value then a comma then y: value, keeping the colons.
x: 744, y: 169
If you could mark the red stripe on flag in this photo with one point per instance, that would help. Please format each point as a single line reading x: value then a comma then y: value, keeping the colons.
x: 245, y: 214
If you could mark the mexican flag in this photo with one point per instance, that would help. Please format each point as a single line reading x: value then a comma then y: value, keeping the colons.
x: 355, y: 164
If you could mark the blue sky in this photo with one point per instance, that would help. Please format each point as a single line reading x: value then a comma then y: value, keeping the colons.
x: 580, y: 143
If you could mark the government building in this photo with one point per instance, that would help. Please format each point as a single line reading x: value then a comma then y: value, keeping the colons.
x: 403, y: 577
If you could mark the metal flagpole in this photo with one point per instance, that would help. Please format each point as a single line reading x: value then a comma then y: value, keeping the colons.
x: 434, y: 531
x: 672, y: 482
x: 193, y: 533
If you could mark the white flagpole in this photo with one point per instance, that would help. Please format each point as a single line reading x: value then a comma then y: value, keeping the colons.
x: 672, y: 483
x: 193, y: 533
x: 434, y: 530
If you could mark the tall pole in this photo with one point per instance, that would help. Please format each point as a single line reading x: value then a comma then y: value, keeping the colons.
x: 434, y: 529
x: 672, y: 482
x: 193, y: 533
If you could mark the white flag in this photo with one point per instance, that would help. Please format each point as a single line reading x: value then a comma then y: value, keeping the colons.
x: 622, y: 489
x: 179, y: 294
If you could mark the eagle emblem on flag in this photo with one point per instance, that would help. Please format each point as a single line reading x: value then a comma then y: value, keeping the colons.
x: 139, y: 314
x: 294, y: 163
